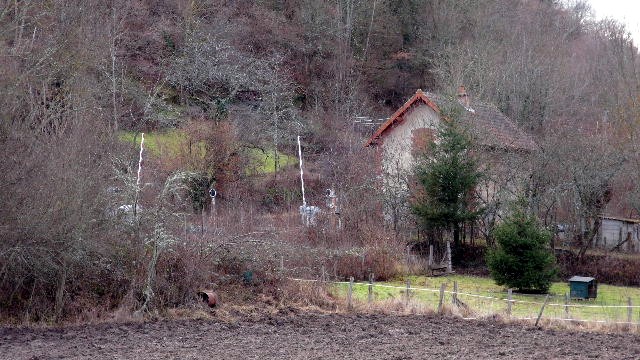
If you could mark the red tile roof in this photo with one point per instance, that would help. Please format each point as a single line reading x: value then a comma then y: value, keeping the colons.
x: 418, y: 97
x: 489, y: 125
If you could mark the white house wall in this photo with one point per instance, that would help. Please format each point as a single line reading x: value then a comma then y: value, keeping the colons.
x: 398, y: 140
x: 398, y: 162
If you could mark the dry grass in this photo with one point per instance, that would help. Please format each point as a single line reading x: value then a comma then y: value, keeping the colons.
x: 400, y: 306
x: 293, y: 297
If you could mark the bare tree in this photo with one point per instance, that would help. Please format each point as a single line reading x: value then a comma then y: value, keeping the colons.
x: 164, y: 211
x: 586, y: 167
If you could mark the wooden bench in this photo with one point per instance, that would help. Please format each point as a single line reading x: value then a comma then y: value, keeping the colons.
x: 438, y: 269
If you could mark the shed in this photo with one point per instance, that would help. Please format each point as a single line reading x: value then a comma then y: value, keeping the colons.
x: 583, y: 287
x: 618, y: 233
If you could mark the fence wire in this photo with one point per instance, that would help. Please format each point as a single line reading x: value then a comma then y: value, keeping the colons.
x: 473, y: 305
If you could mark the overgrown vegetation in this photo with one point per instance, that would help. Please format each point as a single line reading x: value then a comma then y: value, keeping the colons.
x: 213, y: 83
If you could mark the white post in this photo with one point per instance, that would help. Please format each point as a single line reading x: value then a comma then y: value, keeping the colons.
x: 449, y: 267
x: 135, y: 203
x: 304, y: 200
x: 140, y: 159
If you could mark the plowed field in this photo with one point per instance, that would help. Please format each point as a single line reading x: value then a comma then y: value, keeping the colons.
x: 314, y: 336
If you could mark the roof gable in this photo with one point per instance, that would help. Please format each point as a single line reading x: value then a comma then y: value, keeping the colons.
x: 490, y: 126
x: 418, y: 98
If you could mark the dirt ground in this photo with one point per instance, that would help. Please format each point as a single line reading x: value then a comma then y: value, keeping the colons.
x: 313, y: 336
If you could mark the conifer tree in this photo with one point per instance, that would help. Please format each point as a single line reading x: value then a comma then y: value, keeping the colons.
x: 447, y: 176
x: 522, y: 259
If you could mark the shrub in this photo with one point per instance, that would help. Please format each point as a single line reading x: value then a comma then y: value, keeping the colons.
x: 522, y: 259
x: 608, y: 267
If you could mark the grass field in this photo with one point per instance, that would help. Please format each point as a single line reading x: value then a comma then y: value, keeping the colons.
x: 487, y: 298
x: 171, y: 143
x: 263, y: 162
x: 167, y: 143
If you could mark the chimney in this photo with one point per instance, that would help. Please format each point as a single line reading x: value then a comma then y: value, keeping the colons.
x: 463, y: 98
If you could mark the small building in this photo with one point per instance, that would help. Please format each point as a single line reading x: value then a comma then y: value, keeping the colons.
x: 618, y: 233
x: 583, y: 287
x: 502, y: 148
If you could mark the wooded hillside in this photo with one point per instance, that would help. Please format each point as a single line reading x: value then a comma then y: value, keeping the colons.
x: 232, y: 79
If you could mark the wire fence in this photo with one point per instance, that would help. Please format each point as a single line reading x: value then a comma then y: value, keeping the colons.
x: 473, y: 305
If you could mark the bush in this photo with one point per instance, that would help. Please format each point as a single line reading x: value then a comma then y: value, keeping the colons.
x: 608, y: 267
x: 522, y: 259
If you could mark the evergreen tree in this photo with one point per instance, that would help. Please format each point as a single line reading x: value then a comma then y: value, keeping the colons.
x: 447, y: 175
x: 523, y: 259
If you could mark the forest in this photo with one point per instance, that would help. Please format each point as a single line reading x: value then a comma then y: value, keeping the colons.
x: 222, y: 89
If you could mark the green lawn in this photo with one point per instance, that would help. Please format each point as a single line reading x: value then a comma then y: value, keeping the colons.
x: 171, y: 143
x: 486, y: 303
x: 263, y: 162
x: 168, y: 143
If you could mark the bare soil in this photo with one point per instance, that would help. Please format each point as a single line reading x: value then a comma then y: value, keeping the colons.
x: 313, y: 336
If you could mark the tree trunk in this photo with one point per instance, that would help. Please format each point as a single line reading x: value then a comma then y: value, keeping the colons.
x: 586, y: 241
x: 60, y: 292
x: 456, y: 235
x: 151, y: 276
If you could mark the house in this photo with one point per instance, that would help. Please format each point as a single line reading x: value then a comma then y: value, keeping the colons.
x: 421, y: 115
x: 619, y: 234
x: 501, y: 143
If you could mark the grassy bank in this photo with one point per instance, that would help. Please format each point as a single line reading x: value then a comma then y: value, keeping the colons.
x: 483, y: 297
x: 167, y: 144
x: 170, y: 144
x: 263, y: 162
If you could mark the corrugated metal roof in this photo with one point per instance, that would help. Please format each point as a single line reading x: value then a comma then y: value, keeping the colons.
x: 581, y: 279
x: 633, y: 221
